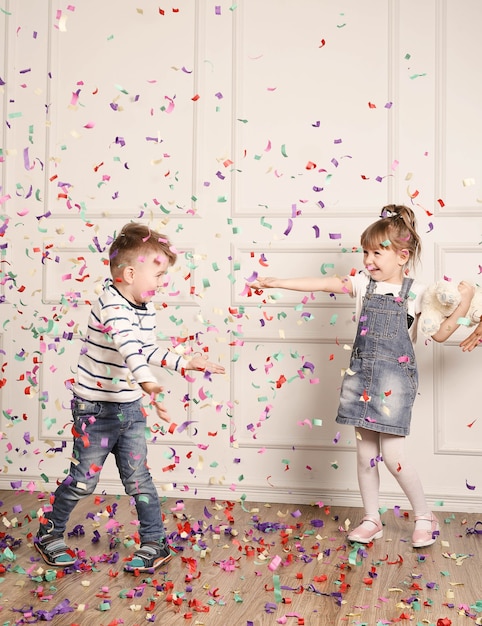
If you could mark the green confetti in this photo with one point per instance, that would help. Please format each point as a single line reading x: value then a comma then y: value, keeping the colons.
x: 325, y: 265
x: 277, y: 589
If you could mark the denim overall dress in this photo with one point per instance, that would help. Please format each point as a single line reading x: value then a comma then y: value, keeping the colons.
x: 380, y: 386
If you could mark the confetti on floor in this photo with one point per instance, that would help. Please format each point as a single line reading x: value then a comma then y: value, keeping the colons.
x: 239, y: 563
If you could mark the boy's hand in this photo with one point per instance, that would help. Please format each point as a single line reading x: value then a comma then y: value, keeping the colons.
x: 152, y: 390
x: 200, y: 363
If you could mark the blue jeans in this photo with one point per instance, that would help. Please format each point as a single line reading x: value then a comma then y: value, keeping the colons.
x: 101, y: 428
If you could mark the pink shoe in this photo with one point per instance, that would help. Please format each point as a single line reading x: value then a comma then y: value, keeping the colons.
x: 422, y: 538
x: 370, y: 528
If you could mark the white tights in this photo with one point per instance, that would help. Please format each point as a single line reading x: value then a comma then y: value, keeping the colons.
x: 371, y: 445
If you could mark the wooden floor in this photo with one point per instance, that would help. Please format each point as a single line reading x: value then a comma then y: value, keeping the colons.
x: 225, y: 571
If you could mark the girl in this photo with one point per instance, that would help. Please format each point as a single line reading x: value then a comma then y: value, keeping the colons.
x: 380, y: 386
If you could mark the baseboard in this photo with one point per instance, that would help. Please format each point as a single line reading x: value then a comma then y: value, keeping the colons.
x: 455, y: 503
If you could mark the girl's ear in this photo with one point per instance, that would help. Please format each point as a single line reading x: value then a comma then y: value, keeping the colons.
x: 404, y: 255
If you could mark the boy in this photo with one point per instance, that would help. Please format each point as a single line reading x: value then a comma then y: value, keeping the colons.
x: 114, y: 371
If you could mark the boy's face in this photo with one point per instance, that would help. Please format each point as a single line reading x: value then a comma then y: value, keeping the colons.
x: 385, y: 264
x: 148, y: 275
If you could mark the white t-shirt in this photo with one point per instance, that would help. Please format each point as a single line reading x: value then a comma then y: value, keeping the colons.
x: 359, y: 286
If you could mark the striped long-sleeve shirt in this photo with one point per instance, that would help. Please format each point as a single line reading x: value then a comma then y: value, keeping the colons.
x: 119, y: 350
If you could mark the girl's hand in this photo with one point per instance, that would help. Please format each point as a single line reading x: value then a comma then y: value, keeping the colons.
x: 467, y: 292
x: 264, y: 282
x: 473, y: 340
x: 152, y: 390
x: 200, y: 363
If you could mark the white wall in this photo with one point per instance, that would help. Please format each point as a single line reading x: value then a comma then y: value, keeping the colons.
x: 262, y: 137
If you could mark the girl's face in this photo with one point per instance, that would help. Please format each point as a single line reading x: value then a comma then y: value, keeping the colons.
x: 385, y: 264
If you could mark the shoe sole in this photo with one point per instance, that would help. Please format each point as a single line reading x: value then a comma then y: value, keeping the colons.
x: 157, y: 563
x: 377, y: 535
x: 425, y: 544
x: 53, y: 563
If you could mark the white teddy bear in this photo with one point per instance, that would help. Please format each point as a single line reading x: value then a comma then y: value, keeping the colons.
x: 439, y: 302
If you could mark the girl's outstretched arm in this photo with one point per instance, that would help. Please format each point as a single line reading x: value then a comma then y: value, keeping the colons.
x: 328, y: 284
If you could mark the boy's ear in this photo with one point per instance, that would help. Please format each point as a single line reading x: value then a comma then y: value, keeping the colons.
x: 127, y: 275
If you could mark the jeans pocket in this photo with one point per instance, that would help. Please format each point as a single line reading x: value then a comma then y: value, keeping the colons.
x: 85, y: 408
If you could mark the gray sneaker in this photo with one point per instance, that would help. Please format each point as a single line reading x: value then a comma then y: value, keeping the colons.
x: 54, y: 551
x: 148, y: 557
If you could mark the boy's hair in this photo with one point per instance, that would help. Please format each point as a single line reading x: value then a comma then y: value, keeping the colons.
x: 397, y: 230
x: 135, y: 240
